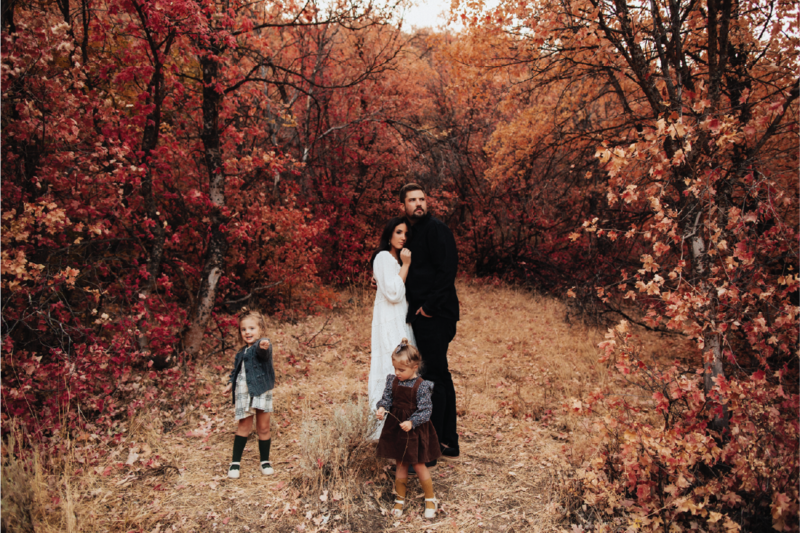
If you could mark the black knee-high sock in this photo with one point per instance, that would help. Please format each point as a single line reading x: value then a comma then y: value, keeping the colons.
x: 238, y: 448
x: 263, y: 449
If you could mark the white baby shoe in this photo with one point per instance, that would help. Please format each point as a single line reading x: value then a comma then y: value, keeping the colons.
x: 233, y: 473
x: 430, y: 512
x: 398, y: 512
x: 266, y: 468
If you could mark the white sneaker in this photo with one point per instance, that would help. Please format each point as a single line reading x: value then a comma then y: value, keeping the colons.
x: 399, y: 512
x: 431, y: 513
x: 266, y: 468
x: 233, y: 473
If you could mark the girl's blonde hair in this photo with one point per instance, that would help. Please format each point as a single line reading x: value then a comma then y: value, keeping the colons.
x: 408, y: 353
x: 253, y: 314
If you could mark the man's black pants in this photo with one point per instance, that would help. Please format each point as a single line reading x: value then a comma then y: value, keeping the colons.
x: 433, y: 336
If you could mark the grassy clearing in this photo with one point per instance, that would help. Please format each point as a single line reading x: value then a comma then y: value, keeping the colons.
x: 516, y: 364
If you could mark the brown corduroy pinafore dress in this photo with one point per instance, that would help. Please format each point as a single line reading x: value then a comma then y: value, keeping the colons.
x: 420, y: 445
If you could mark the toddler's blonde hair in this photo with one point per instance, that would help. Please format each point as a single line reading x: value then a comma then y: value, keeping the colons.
x: 254, y: 314
x: 408, y: 353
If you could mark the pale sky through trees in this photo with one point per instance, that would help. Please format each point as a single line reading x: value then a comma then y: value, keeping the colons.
x: 427, y: 14
x: 433, y: 14
x: 420, y: 13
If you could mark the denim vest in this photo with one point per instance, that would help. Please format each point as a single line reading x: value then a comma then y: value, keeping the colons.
x: 259, y: 372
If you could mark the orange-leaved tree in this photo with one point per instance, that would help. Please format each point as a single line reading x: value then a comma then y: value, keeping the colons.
x: 690, y: 109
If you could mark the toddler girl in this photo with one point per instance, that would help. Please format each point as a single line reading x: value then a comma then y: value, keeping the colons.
x: 252, y: 381
x: 408, y: 435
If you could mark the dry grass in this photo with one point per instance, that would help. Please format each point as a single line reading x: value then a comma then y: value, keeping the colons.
x: 40, y: 493
x: 20, y: 488
x: 515, y: 363
x: 335, y: 454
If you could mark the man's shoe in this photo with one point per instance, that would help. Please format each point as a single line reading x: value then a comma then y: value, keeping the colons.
x: 450, y: 452
x: 430, y: 464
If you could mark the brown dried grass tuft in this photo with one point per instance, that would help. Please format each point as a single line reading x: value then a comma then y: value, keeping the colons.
x: 335, y: 452
x: 517, y: 366
x: 41, y: 491
x: 21, y: 487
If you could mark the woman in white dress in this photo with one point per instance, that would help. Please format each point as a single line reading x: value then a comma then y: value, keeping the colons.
x: 389, y: 267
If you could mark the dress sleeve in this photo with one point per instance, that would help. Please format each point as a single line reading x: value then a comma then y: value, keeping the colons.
x: 424, y: 404
x: 386, y: 399
x: 389, y: 282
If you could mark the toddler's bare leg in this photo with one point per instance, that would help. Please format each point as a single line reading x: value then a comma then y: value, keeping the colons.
x: 245, y: 426
x: 422, y: 471
x: 401, y: 471
x: 263, y: 425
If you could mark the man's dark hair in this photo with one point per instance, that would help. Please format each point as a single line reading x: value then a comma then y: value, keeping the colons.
x: 408, y: 187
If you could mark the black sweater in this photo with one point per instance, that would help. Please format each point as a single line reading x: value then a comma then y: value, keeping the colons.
x: 432, y: 275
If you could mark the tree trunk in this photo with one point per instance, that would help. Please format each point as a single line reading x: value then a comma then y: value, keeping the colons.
x: 712, y: 363
x: 712, y: 359
x: 150, y: 138
x: 218, y: 243
x: 8, y: 16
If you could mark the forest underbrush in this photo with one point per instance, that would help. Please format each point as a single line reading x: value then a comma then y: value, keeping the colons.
x: 520, y: 371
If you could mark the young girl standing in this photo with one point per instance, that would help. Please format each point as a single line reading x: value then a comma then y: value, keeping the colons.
x: 252, y: 381
x: 408, y: 435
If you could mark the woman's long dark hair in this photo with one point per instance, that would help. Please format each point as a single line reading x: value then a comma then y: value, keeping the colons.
x: 386, y: 238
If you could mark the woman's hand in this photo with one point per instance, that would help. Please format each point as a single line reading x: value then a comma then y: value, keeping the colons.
x: 228, y: 388
x: 264, y: 344
x: 380, y: 414
x: 406, y: 426
x: 405, y: 259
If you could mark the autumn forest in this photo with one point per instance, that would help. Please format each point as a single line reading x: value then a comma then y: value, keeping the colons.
x: 166, y: 163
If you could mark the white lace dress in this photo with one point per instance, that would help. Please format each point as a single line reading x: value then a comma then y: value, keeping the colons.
x: 388, y: 325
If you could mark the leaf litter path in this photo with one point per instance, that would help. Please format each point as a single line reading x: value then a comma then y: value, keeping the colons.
x: 515, y: 362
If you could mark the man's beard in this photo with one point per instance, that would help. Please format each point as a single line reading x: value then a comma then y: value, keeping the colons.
x: 416, y: 215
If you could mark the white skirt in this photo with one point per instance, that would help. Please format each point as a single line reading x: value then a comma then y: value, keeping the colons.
x: 246, y: 404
